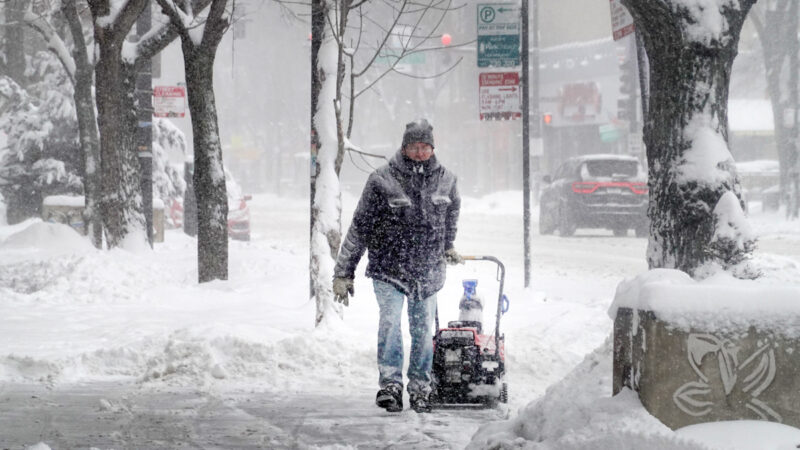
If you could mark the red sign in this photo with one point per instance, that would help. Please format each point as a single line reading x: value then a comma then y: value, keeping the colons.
x: 621, y: 20
x: 499, y: 95
x: 169, y: 101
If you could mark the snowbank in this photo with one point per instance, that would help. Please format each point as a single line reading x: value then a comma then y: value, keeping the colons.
x: 44, y: 237
x: 744, y: 435
x: 579, y: 413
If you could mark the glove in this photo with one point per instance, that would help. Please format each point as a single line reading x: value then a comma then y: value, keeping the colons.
x: 451, y: 256
x: 341, y: 288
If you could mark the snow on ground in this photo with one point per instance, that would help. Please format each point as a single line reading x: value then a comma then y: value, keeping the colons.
x: 72, y: 317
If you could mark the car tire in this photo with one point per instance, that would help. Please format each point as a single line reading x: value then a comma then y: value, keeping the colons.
x: 566, y: 226
x: 620, y: 231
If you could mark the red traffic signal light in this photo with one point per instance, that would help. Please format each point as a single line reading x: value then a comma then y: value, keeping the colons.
x: 547, y: 118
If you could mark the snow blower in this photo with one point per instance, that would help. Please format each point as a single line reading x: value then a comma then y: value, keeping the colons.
x: 468, y: 365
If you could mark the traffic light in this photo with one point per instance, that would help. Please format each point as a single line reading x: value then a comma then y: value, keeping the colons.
x: 547, y: 118
x: 626, y: 104
x: 627, y: 78
x: 626, y: 109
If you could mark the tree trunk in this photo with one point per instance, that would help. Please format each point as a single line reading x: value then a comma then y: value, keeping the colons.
x: 318, y: 13
x: 121, y: 204
x: 209, y: 174
x: 326, y: 210
x: 87, y: 124
x: 690, y: 167
x: 14, y: 42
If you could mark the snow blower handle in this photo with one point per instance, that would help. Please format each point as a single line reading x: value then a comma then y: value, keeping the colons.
x: 502, y: 300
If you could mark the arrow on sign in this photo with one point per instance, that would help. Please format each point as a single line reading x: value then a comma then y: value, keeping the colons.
x: 502, y: 10
x: 512, y: 89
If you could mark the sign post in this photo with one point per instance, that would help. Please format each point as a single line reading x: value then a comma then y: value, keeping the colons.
x: 498, y: 34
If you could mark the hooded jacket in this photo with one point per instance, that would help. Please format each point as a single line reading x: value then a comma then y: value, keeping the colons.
x: 406, y: 219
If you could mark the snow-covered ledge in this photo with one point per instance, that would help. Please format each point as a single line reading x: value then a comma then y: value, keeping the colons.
x: 711, y: 350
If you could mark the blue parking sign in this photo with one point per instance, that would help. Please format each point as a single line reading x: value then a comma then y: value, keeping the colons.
x: 498, y: 34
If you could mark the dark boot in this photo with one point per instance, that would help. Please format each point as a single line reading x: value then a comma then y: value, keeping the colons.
x: 390, y: 398
x: 420, y: 403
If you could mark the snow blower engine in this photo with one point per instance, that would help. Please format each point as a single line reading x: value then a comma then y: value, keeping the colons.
x: 468, y: 365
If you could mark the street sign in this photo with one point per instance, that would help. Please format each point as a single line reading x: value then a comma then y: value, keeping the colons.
x: 169, y: 101
x: 498, y: 34
x: 499, y: 95
x: 609, y: 133
x: 621, y: 20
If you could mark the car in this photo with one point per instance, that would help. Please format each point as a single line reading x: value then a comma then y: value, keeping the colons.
x: 239, y: 218
x: 238, y: 209
x: 595, y: 191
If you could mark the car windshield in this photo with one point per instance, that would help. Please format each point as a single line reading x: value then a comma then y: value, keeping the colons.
x: 607, y: 168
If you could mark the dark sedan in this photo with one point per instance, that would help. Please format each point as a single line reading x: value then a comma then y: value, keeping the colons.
x: 595, y: 191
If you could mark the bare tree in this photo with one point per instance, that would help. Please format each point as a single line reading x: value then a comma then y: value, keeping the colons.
x: 777, y: 25
x: 695, y: 196
x: 199, y: 52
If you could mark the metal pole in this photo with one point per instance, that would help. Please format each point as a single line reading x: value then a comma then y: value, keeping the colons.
x: 526, y: 142
x: 144, y: 133
x: 643, y: 66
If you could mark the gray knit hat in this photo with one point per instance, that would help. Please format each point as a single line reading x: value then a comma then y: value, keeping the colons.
x: 418, y: 131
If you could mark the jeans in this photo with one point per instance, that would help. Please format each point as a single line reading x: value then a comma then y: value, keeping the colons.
x: 390, y: 339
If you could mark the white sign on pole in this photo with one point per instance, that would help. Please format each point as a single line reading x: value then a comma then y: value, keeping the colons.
x: 499, y: 95
x: 621, y: 20
x: 169, y: 101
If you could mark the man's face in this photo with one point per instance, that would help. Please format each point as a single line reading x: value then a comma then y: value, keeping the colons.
x: 418, y: 151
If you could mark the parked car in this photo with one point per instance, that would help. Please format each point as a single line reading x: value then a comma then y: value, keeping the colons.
x: 239, y: 218
x: 238, y: 210
x: 595, y: 191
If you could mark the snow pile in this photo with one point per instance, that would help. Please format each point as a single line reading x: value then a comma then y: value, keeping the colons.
x: 706, y: 161
x: 336, y: 358
x: 706, y: 22
x: 51, y: 237
x: 719, y: 301
x: 744, y: 435
x: 64, y: 200
x: 579, y: 413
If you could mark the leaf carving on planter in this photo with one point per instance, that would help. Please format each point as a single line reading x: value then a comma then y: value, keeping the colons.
x: 694, y: 397
x: 689, y: 398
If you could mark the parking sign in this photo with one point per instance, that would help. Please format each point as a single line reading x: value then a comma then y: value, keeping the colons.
x: 498, y: 34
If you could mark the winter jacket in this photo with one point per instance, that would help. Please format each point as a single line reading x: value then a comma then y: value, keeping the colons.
x: 405, y: 220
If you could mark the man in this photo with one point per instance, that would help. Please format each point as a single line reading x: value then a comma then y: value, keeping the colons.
x: 406, y: 219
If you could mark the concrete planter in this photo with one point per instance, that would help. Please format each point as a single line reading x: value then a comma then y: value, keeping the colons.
x: 731, y: 367
x: 69, y: 211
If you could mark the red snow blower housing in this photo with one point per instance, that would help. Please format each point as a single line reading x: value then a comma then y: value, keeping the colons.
x: 468, y: 365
